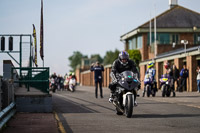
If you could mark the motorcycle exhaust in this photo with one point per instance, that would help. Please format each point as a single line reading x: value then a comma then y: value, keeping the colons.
x: 117, y: 107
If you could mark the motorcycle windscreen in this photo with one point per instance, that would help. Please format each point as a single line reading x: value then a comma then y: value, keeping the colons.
x: 128, y: 80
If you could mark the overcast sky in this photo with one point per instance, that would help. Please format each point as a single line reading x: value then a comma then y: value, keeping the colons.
x: 88, y: 26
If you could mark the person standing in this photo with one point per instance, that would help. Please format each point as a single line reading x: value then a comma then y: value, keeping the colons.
x: 97, y: 68
x: 176, y: 75
x: 184, y: 76
x: 198, y: 79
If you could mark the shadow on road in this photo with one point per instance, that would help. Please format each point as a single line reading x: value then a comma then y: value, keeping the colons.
x: 61, y: 105
x: 164, y: 115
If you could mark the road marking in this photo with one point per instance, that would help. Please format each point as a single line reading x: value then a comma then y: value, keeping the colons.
x: 60, y: 125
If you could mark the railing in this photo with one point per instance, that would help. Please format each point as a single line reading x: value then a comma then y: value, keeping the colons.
x: 7, y: 104
x: 35, y: 77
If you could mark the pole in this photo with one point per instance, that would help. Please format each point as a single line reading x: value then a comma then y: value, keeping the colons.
x: 20, y: 55
x: 155, y: 38
x: 150, y: 30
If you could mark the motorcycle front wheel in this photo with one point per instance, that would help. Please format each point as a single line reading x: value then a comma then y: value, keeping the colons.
x: 129, y: 106
x: 163, y: 88
x: 148, y: 90
x: 168, y: 91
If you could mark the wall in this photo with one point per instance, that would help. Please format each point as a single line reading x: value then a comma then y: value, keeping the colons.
x: 191, y: 66
x: 87, y: 77
x: 187, y: 36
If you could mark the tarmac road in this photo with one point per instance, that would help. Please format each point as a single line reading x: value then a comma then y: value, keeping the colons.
x: 81, y: 112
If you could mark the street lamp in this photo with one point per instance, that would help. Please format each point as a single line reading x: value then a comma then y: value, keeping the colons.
x: 173, y: 45
x: 185, y: 42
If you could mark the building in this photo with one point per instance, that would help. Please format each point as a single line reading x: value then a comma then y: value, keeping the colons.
x: 177, y: 35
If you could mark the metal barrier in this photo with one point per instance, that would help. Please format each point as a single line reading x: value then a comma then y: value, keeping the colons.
x: 6, y: 101
x: 6, y: 114
x: 7, y: 93
x: 0, y: 94
x: 35, y: 77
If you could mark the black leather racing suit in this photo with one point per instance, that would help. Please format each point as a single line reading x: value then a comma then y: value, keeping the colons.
x: 117, y: 68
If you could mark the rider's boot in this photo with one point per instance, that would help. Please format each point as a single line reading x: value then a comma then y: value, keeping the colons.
x: 111, y: 97
x: 135, y: 103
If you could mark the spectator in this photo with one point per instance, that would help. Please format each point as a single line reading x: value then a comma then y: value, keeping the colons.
x: 184, y: 76
x: 175, y: 75
x: 198, y: 79
x: 97, y: 68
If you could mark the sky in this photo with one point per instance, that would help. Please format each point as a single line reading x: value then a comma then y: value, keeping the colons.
x: 88, y: 26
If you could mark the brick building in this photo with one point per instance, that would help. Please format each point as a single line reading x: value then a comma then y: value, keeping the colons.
x: 171, y: 28
x: 176, y: 24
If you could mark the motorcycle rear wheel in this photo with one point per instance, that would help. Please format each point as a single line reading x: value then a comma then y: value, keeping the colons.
x: 148, y: 88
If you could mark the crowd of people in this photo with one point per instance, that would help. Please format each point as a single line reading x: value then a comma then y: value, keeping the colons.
x: 175, y: 76
x: 58, y: 82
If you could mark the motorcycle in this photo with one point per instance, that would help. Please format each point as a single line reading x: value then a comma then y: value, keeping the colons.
x: 72, y: 84
x: 149, y: 86
x: 126, y: 91
x: 165, y: 86
x: 53, y: 85
x: 66, y: 83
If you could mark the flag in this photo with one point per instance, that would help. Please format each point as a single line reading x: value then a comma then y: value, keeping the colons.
x: 35, y: 45
x: 41, y: 33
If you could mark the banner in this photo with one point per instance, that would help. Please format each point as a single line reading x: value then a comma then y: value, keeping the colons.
x: 41, y: 33
x: 35, y: 45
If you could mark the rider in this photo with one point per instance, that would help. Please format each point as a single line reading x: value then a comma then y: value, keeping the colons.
x: 123, y: 63
x: 151, y: 72
x: 169, y: 72
x: 73, y: 76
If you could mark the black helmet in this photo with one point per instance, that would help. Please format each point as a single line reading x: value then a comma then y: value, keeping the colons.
x: 123, y: 56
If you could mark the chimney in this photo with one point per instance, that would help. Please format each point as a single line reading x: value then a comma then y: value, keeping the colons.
x: 173, y: 3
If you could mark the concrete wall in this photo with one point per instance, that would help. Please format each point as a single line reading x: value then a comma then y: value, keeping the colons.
x: 34, y: 103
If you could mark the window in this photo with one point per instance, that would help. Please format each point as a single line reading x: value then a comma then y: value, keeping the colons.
x: 130, y: 45
x: 139, y: 42
x: 196, y: 38
x: 152, y: 38
x: 163, y: 38
x: 134, y: 43
x: 174, y: 38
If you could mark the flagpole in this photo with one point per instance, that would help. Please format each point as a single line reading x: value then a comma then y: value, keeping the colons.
x: 155, y: 35
x: 42, y: 34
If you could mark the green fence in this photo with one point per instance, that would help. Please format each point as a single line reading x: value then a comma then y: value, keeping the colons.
x: 34, y: 77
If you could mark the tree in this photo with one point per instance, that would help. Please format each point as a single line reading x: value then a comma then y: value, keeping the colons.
x: 75, y: 59
x: 110, y: 57
x: 96, y: 57
x: 135, y: 55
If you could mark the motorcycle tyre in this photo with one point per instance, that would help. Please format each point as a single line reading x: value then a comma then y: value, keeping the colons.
x: 163, y: 90
x: 128, y: 106
x: 168, y: 91
x: 148, y: 90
